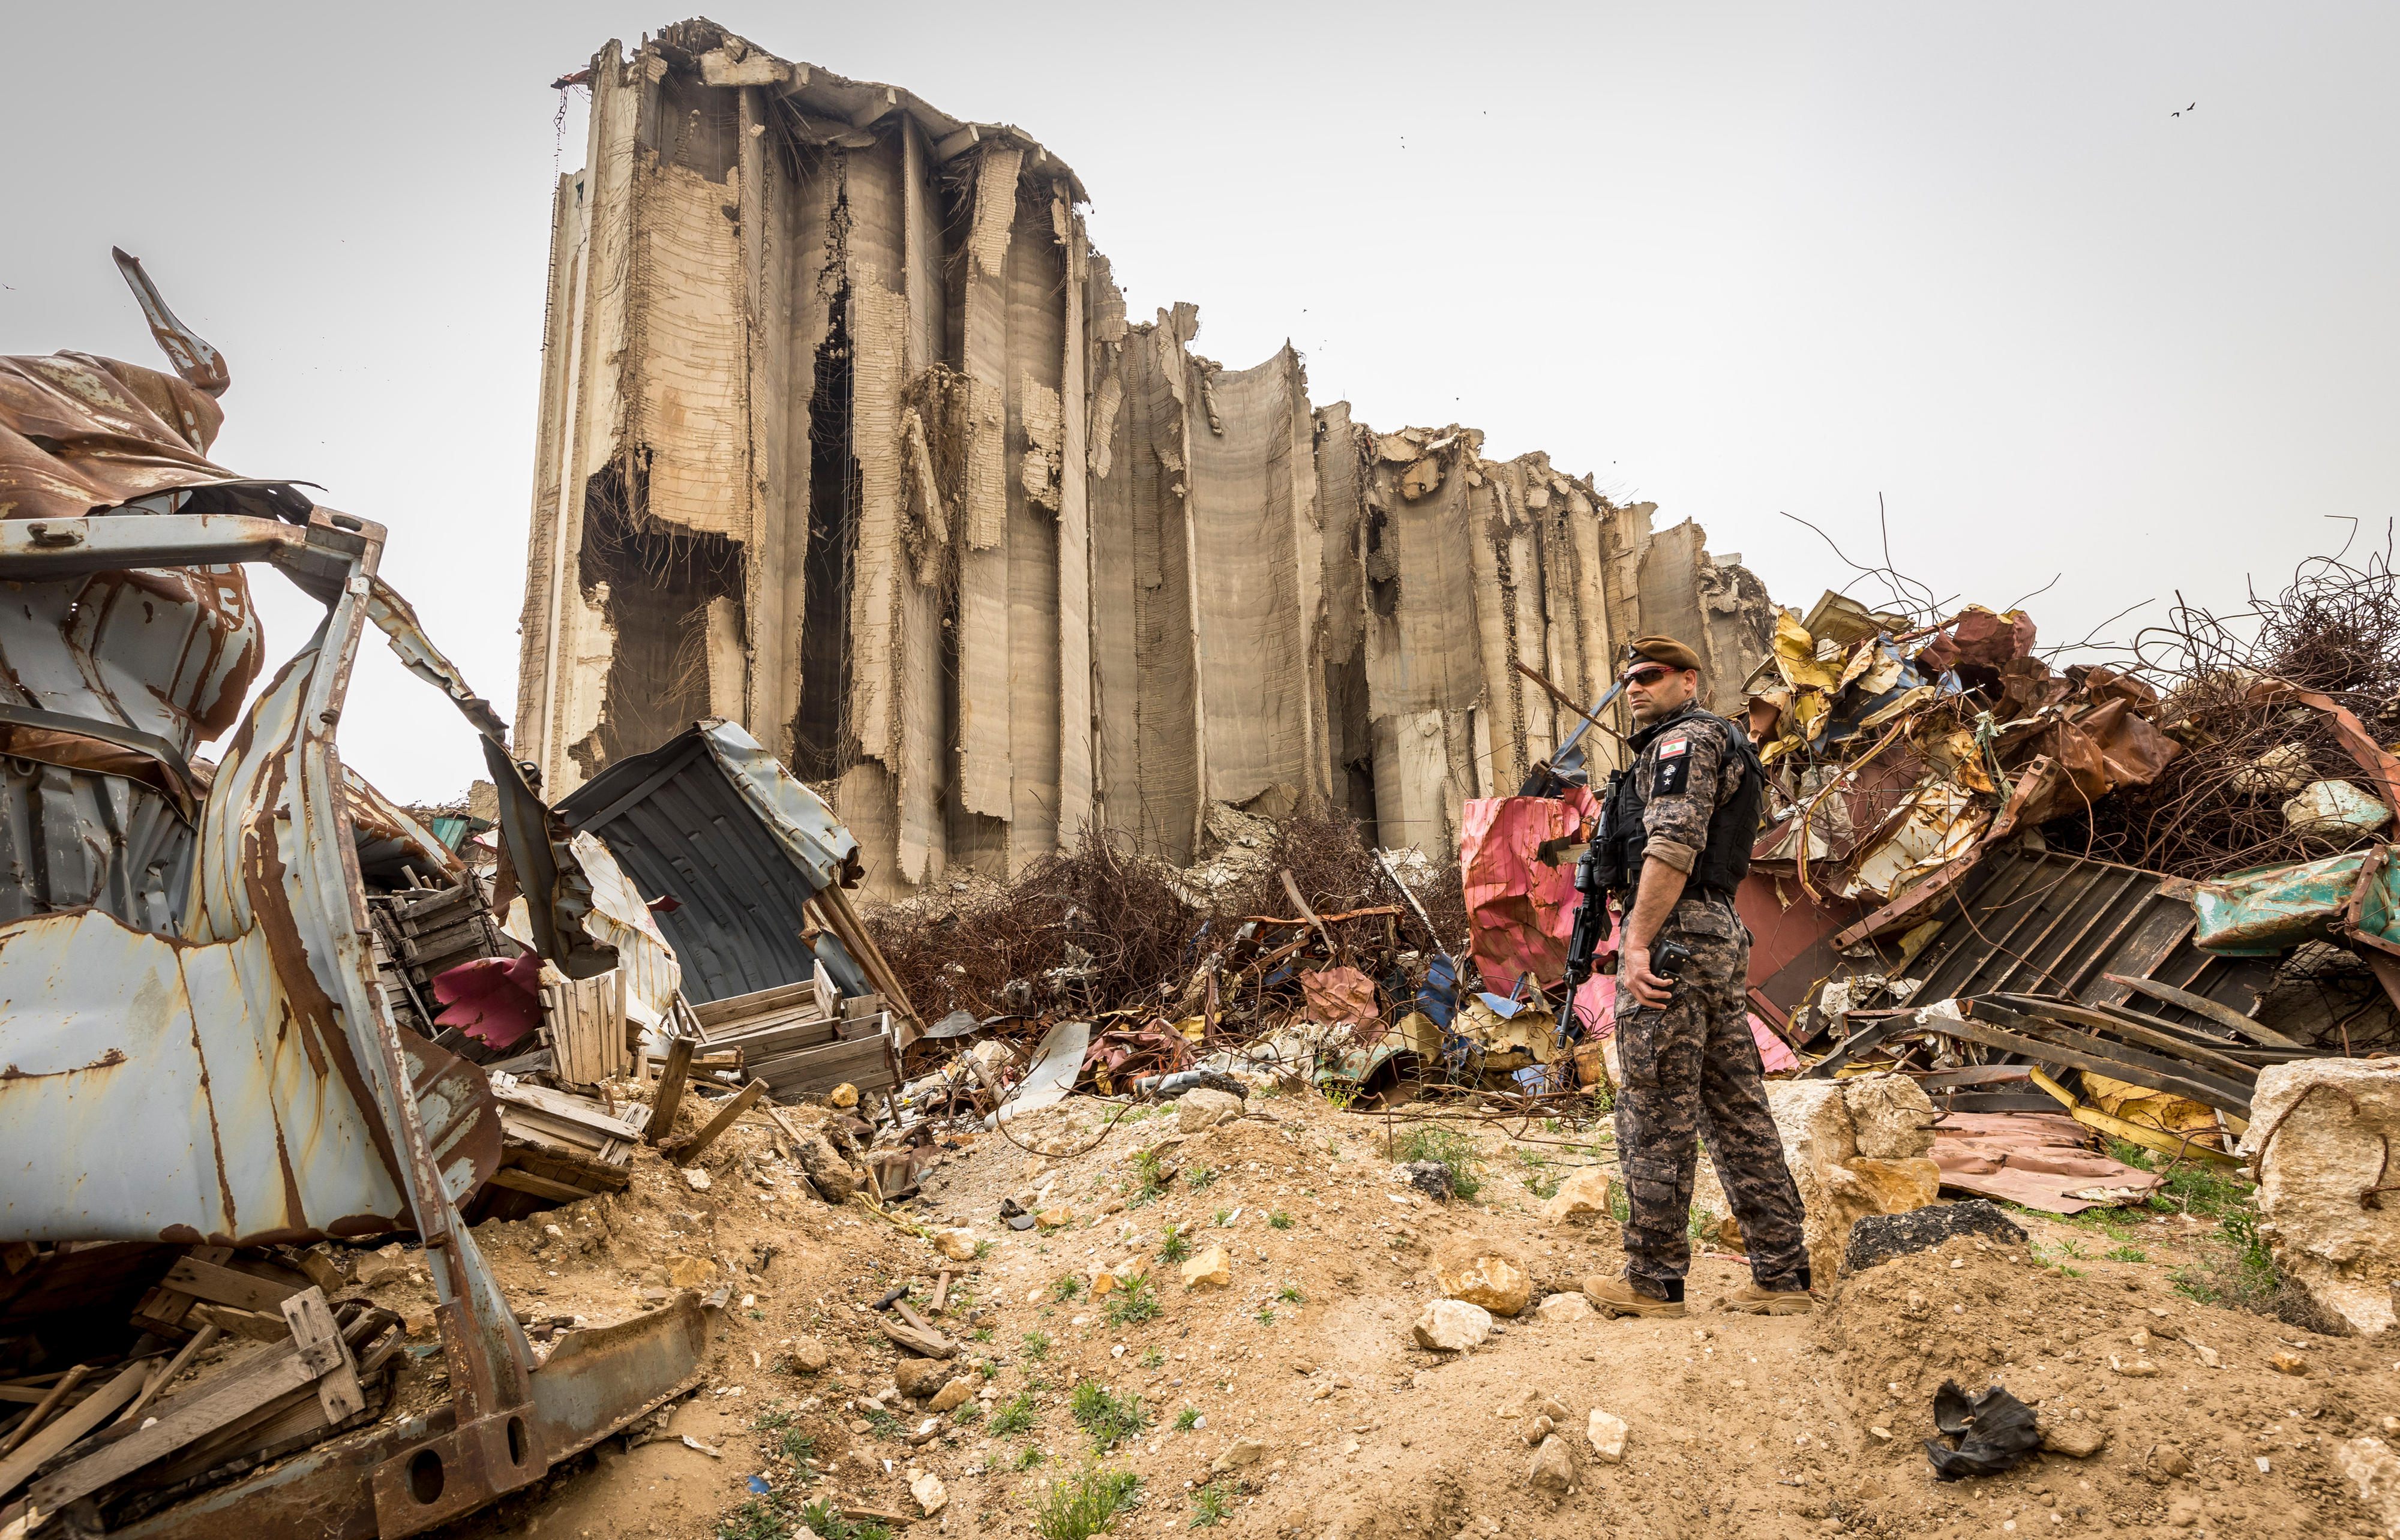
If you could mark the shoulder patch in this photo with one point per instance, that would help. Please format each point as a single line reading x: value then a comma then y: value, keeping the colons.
x: 1673, y: 771
x: 1673, y: 746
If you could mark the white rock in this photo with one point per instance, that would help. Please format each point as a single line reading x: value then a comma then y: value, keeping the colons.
x: 696, y: 1178
x: 1496, y: 1283
x: 1607, y: 1436
x: 1891, y: 1117
x: 931, y: 1495
x: 958, y: 1245
x: 1452, y: 1326
x: 1241, y: 1451
x: 1553, y: 1468
x: 2331, y: 1120
x: 1581, y: 1196
x: 1204, y: 1107
x: 1564, y: 1309
x: 1839, y: 1185
x: 2373, y: 1469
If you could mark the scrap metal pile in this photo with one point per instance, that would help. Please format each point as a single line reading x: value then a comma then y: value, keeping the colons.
x: 256, y: 1016
x: 2114, y: 891
x: 1931, y: 893
x: 1298, y: 946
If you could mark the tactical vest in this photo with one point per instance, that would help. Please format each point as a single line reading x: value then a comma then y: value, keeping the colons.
x: 1732, y: 830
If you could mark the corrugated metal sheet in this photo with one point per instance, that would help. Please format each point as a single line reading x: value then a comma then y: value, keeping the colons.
x: 2047, y: 923
x: 740, y: 850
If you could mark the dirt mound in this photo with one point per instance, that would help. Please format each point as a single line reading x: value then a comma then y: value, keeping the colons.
x: 2113, y: 1355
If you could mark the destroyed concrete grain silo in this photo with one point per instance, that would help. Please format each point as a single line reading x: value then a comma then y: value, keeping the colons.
x: 846, y: 435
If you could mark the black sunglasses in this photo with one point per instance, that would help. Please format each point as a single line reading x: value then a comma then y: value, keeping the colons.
x: 1650, y: 675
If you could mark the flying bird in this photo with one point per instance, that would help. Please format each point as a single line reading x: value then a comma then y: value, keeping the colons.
x: 2185, y: 110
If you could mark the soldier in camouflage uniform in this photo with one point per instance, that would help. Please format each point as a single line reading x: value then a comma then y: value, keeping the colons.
x: 1679, y: 824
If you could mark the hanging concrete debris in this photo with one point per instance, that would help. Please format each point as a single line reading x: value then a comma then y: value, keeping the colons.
x: 848, y: 438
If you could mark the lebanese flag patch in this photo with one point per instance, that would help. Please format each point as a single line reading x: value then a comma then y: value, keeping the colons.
x: 1673, y: 746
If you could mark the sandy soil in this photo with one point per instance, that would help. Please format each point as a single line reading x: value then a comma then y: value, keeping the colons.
x: 1741, y: 1426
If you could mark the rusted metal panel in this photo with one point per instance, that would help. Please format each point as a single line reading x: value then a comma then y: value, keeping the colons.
x: 710, y: 819
x: 242, y: 1080
x: 2049, y: 923
x: 2272, y: 910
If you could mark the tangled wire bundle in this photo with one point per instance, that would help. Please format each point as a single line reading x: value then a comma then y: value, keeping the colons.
x: 2219, y: 806
x: 1113, y: 927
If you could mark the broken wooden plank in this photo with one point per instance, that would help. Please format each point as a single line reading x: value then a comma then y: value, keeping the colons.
x: 581, y: 1112
x: 201, y: 1342
x: 686, y: 1154
x: 314, y: 1354
x: 71, y: 1425
x: 671, y: 1081
x: 255, y: 1326
x: 921, y: 1340
x: 736, y: 1009
x: 45, y: 1406
x: 941, y: 1291
x: 521, y: 1180
x: 220, y: 1284
x: 320, y: 1343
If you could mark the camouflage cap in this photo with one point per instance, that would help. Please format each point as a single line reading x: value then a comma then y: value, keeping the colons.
x: 1661, y: 650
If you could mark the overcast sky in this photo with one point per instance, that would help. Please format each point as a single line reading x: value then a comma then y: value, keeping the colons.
x: 1738, y: 261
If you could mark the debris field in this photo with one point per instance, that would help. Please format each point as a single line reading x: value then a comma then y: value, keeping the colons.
x: 1010, y: 973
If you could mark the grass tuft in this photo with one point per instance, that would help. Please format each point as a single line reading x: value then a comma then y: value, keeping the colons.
x: 1128, y: 1306
x: 1086, y: 1504
x: 827, y: 1521
x: 1455, y: 1152
x: 1211, y: 1506
x: 1014, y: 1418
x: 1105, y: 1417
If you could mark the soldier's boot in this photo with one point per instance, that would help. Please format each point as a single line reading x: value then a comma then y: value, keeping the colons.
x: 1615, y: 1297
x: 1753, y: 1299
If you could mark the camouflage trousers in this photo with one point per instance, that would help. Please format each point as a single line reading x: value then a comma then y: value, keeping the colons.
x: 1693, y: 1068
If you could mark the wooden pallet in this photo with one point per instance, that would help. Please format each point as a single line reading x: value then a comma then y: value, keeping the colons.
x: 583, y: 1021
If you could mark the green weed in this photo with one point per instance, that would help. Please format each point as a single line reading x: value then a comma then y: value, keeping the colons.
x: 2126, y: 1254
x: 1199, y: 1177
x: 1154, y: 1359
x: 1455, y: 1152
x: 1087, y: 1503
x: 1037, y: 1345
x: 1187, y: 1419
x: 758, y: 1518
x: 1129, y: 1306
x: 1014, y: 1418
x: 1105, y: 1417
x: 1067, y: 1286
x: 793, y: 1445
x: 826, y: 1520
x: 1290, y: 1294
x: 1211, y: 1506
x: 1278, y: 1220
x: 1173, y: 1246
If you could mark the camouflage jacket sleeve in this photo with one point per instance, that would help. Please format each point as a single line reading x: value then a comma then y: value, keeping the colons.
x: 1681, y: 779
